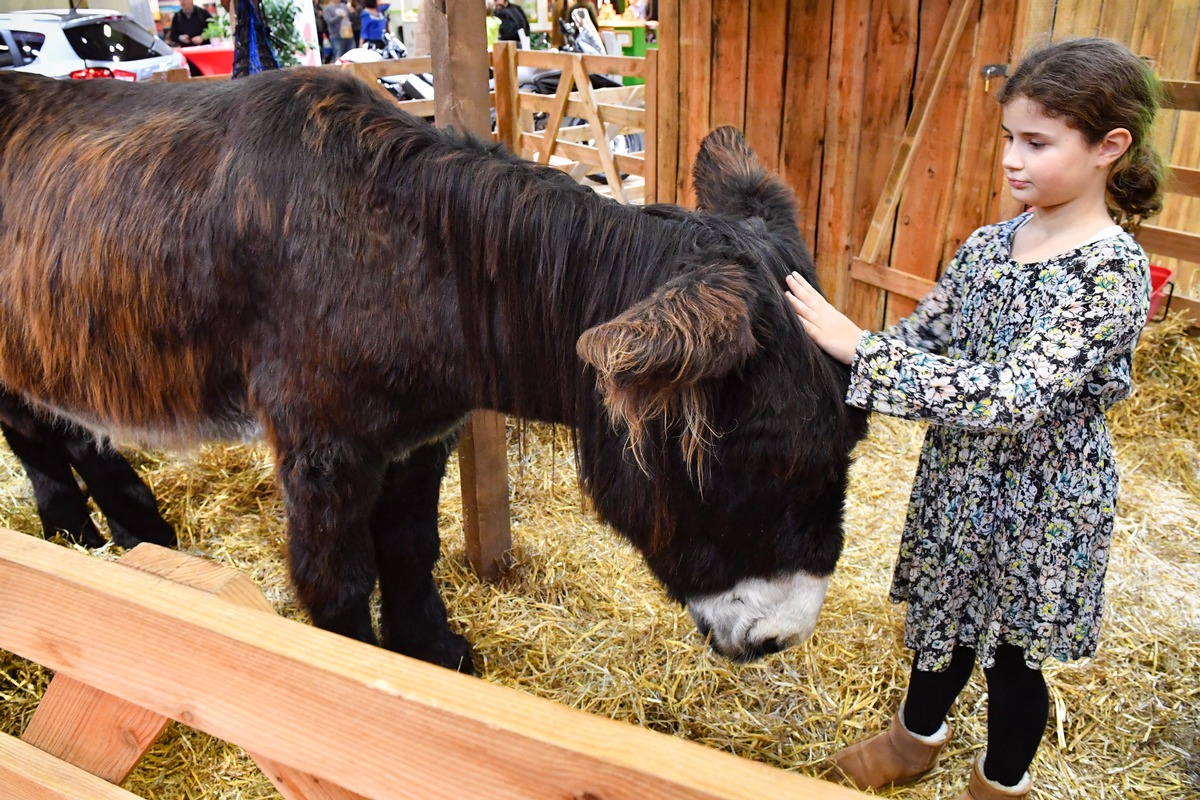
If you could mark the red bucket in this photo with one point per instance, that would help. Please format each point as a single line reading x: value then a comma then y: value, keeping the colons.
x: 1161, y: 286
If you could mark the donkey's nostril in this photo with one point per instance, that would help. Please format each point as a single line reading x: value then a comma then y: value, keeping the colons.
x: 771, y: 645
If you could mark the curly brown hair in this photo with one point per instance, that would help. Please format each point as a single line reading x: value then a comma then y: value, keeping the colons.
x: 1097, y: 85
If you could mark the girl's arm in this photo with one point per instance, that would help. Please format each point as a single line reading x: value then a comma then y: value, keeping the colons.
x: 1066, y: 347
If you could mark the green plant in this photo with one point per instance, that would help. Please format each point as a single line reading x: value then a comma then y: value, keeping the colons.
x: 218, y: 26
x: 285, y: 39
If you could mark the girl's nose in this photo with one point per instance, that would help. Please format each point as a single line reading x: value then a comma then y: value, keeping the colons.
x: 1010, y: 160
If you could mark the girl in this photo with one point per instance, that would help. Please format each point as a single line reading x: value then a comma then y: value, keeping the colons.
x: 1013, y: 359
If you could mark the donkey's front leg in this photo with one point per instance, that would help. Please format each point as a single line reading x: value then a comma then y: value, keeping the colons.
x: 328, y: 493
x: 404, y: 527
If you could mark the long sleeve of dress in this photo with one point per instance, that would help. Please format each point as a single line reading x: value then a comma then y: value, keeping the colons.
x: 927, y: 328
x: 1072, y: 347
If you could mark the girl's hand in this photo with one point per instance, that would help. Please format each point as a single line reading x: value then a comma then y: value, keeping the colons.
x: 829, y: 328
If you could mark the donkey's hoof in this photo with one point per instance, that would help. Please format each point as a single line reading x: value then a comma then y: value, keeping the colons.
x: 452, y: 652
x: 155, y: 531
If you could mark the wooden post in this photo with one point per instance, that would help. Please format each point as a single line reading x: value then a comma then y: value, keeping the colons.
x: 458, y: 45
x: 504, y: 68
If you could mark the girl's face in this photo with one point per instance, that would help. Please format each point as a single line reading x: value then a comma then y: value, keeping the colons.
x: 1047, y: 162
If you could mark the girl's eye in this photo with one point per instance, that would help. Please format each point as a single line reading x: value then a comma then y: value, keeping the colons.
x: 1037, y: 145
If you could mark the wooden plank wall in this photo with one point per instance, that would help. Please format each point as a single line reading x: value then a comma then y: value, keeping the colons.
x: 823, y: 91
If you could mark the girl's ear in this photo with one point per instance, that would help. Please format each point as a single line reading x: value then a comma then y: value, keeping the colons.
x: 1113, y: 146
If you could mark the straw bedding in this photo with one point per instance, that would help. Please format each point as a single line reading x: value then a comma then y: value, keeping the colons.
x: 579, y: 620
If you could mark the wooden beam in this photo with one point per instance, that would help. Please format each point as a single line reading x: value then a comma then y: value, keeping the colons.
x: 1172, y: 244
x: 458, y: 46
x: 842, y: 139
x: 107, y: 736
x: 345, y: 712
x: 766, y: 74
x: 627, y: 116
x: 804, y: 101
x: 669, y: 111
x: 586, y: 154
x: 892, y: 280
x: 584, y: 85
x: 504, y: 70
x: 605, y: 65
x: 27, y: 773
x: 1184, y: 180
x: 650, y: 130
x: 1182, y: 95
x: 730, y: 59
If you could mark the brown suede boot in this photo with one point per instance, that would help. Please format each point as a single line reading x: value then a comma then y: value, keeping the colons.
x: 980, y: 788
x: 895, y: 757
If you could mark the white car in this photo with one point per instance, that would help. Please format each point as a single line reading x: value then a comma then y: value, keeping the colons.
x: 82, y: 44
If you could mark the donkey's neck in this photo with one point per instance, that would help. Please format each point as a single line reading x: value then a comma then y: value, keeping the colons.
x: 538, y: 260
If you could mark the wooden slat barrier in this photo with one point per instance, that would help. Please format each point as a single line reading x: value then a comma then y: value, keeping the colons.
x: 606, y: 113
x: 342, y: 718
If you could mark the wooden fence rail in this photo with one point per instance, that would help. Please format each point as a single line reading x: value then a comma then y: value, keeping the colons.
x: 176, y: 637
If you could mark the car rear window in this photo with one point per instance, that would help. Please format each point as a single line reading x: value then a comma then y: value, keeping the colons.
x: 6, y: 58
x: 113, y: 40
x: 29, y: 44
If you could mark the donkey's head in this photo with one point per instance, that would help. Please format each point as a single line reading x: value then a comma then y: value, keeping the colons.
x: 728, y: 467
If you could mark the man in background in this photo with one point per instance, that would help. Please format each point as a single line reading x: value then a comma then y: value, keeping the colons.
x: 187, y: 26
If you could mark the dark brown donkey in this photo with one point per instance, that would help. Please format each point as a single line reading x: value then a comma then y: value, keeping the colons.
x: 292, y: 254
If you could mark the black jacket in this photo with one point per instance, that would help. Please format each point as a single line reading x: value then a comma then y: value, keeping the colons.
x: 512, y: 19
x: 193, y: 26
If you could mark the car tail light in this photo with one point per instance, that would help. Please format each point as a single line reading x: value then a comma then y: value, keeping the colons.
x: 92, y: 73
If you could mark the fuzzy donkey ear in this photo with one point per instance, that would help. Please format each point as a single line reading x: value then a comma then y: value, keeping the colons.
x: 651, y: 360
x: 730, y: 180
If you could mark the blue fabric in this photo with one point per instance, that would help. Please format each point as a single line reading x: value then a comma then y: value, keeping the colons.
x: 373, y: 27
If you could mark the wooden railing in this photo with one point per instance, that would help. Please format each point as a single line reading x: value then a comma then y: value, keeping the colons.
x: 605, y: 114
x: 166, y: 636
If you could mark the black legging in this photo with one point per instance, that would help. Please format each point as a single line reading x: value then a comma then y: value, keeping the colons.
x: 1018, y: 707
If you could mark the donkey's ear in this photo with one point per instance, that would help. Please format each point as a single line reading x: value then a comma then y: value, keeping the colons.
x: 730, y: 180
x: 650, y: 360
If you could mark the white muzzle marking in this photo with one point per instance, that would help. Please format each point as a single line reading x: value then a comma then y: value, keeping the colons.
x: 759, y: 616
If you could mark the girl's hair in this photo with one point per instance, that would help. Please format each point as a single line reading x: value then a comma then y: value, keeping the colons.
x: 1095, y: 86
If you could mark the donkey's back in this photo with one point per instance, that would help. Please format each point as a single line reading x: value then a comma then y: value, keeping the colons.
x: 159, y: 242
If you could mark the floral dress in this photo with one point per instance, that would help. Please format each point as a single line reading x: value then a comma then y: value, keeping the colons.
x: 1011, y: 515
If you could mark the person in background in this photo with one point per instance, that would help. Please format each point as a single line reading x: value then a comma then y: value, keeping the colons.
x: 512, y: 20
x: 374, y: 23
x: 1013, y: 359
x: 322, y: 34
x: 187, y: 25
x: 341, y: 34
x: 356, y: 8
